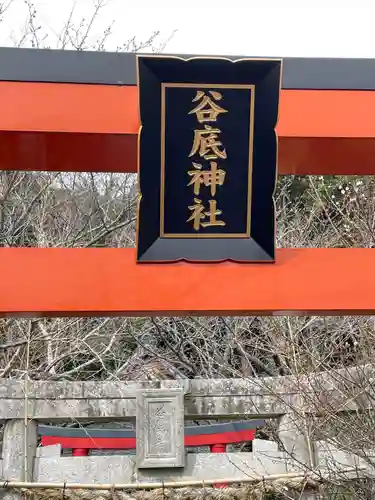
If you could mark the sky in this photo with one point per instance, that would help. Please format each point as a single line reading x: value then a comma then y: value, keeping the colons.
x: 279, y: 28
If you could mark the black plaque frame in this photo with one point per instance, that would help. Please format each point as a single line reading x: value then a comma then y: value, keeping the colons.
x: 154, y: 72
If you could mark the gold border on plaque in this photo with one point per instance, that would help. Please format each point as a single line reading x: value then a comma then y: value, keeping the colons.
x: 251, y: 89
x: 206, y: 58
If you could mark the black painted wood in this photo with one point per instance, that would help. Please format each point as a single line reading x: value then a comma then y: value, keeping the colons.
x: 182, y: 215
x: 196, y: 430
x: 115, y: 68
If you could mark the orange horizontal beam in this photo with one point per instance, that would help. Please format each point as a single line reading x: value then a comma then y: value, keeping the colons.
x: 326, y: 113
x: 77, y: 282
x: 61, y: 107
x: 111, y: 109
x: 76, y: 127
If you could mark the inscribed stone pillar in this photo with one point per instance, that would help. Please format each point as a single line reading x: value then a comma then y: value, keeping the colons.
x: 293, y: 436
x: 15, y: 467
x: 160, y: 428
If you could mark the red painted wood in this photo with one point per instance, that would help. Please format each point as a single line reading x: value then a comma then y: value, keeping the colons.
x: 80, y: 452
x: 108, y: 281
x: 78, y: 127
x: 130, y: 443
x: 219, y: 448
x: 90, y: 443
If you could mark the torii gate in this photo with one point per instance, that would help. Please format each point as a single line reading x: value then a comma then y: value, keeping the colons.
x: 78, y: 111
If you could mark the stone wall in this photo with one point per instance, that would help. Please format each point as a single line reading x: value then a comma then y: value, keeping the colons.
x: 159, y: 409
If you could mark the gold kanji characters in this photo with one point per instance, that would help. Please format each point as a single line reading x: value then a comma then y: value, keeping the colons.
x: 207, y: 110
x: 199, y: 214
x: 209, y: 178
x: 207, y: 144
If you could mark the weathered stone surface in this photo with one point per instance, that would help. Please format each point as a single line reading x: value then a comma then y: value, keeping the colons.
x: 108, y: 469
x: 332, y: 459
x: 206, y: 466
x: 122, y: 469
x: 299, y: 451
x: 14, y: 466
x: 66, y: 409
x: 270, y: 396
x: 329, y: 380
x: 266, y: 459
x: 261, y: 446
x: 347, y: 389
x: 294, y: 440
x: 125, y: 409
x: 160, y: 428
x: 14, y: 389
x: 53, y: 450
